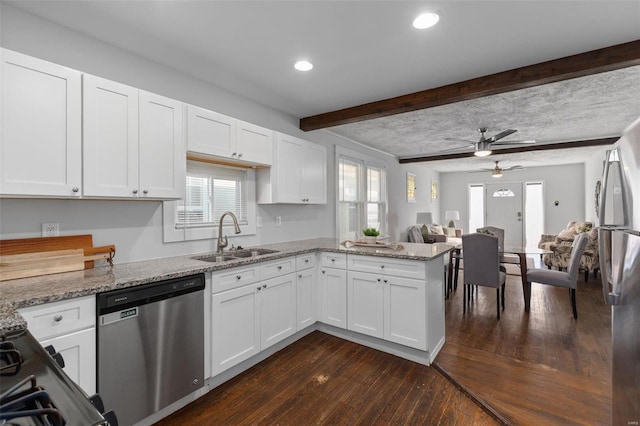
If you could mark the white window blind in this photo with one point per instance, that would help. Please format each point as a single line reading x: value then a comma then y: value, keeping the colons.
x: 211, y: 191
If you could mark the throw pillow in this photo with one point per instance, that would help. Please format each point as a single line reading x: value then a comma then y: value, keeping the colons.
x: 450, y: 232
x: 425, y: 232
x: 567, y: 233
x: 436, y: 229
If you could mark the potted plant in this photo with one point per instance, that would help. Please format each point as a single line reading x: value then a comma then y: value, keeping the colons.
x: 370, y: 235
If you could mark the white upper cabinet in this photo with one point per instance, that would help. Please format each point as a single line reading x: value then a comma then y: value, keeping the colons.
x: 254, y: 143
x: 110, y: 138
x: 40, y: 143
x: 132, y: 142
x: 217, y: 135
x: 162, y: 155
x: 210, y: 133
x: 298, y: 175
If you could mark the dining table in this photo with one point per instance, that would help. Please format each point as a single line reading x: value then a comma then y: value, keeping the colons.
x: 520, y: 252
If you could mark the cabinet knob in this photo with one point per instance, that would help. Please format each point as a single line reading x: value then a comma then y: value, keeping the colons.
x: 333, y: 260
x: 323, y: 272
x: 145, y: 192
x: 259, y: 288
x: 57, y: 318
x: 381, y: 266
x: 238, y: 277
x: 135, y: 191
x: 233, y: 154
x: 279, y: 267
x: 240, y: 155
x: 264, y: 286
x: 379, y: 279
x: 300, y: 276
x: 75, y: 189
x: 306, y: 261
x: 385, y: 281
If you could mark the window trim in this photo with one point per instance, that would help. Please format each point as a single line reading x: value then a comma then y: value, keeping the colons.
x: 171, y: 233
x: 366, y: 161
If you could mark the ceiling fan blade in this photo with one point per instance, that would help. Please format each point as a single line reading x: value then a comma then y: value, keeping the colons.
x: 480, y: 171
x: 460, y: 140
x: 513, y: 168
x: 530, y: 141
x: 501, y: 135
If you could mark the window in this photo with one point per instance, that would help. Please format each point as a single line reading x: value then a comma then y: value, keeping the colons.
x: 476, y: 207
x: 362, y: 195
x: 503, y: 192
x: 533, y: 213
x: 210, y: 191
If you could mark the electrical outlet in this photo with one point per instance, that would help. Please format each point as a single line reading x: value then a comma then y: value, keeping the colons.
x: 259, y: 222
x: 50, y: 229
x: 278, y: 221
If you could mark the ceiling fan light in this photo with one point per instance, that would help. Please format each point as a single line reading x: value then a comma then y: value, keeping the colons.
x: 303, y: 65
x: 496, y: 174
x: 426, y: 20
x: 482, y: 152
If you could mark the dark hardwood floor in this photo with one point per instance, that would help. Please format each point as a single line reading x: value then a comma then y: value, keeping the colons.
x: 541, y: 368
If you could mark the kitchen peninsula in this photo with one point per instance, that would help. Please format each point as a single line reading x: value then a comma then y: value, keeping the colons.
x: 388, y: 298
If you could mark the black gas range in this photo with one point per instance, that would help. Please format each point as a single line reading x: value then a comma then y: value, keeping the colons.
x: 35, y: 391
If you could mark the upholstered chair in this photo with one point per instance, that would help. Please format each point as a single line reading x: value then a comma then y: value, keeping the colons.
x: 561, y: 253
x: 568, y: 279
x: 482, y: 267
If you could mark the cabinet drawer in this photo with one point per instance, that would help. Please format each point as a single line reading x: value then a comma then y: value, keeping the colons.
x: 305, y: 261
x: 387, y: 266
x: 277, y: 268
x: 234, y: 278
x: 334, y: 260
x: 53, y: 319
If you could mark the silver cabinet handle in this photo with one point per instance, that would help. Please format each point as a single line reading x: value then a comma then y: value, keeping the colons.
x: 300, y: 276
x: 75, y: 189
x: 264, y: 286
x: 323, y: 272
x: 233, y: 154
x: 145, y: 192
x: 306, y: 261
x: 57, y: 318
x: 135, y: 191
x: 379, y: 279
x: 333, y: 260
x: 279, y: 267
x: 240, y: 155
x: 238, y: 277
x: 385, y: 281
x: 259, y: 288
x: 381, y: 266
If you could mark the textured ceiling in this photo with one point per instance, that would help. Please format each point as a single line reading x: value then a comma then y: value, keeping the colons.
x: 364, y: 51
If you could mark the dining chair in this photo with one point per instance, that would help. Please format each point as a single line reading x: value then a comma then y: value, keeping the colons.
x: 499, y: 233
x: 482, y: 267
x: 568, y: 279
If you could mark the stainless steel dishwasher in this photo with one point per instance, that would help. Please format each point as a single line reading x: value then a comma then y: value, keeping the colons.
x: 150, y: 346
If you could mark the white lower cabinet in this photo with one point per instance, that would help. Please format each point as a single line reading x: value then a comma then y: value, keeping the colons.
x: 305, y: 298
x: 333, y: 297
x: 277, y: 305
x: 70, y: 326
x: 365, y: 303
x: 251, y: 318
x: 79, y: 354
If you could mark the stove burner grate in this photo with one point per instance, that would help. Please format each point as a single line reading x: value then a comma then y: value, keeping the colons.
x: 10, y: 359
x: 25, y: 400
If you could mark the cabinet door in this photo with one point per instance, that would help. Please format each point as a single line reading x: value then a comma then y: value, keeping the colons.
x: 289, y: 163
x: 365, y: 303
x: 333, y: 297
x: 162, y: 156
x: 314, y: 174
x: 210, y: 133
x: 254, y: 144
x: 79, y: 352
x: 306, y: 298
x: 110, y: 138
x: 277, y: 309
x: 235, y: 327
x: 405, y: 312
x: 40, y: 144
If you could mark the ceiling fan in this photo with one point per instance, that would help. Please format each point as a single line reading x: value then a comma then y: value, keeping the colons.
x: 496, y: 172
x: 482, y: 148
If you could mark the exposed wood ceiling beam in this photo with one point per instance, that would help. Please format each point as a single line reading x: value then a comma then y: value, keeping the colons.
x: 580, y: 65
x: 523, y: 148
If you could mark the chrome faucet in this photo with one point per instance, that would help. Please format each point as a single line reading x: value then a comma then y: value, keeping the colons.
x: 222, y: 241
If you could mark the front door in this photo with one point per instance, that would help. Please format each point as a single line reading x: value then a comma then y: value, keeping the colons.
x: 504, y: 209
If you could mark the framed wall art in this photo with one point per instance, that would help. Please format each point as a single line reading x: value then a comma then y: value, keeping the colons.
x: 434, y: 190
x: 411, y: 188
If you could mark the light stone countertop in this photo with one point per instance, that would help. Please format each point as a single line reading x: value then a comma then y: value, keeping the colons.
x: 20, y: 293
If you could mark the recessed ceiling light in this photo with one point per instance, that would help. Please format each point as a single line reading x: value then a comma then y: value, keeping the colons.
x: 303, y: 65
x: 426, y: 20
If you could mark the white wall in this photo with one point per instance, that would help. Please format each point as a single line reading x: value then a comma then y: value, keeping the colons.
x: 565, y: 184
x: 135, y: 227
x: 593, y: 168
x: 405, y: 212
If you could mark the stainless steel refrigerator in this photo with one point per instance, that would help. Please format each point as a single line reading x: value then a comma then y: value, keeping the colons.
x: 619, y: 240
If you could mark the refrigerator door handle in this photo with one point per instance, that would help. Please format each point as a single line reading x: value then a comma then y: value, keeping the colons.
x: 603, y: 190
x: 606, y: 272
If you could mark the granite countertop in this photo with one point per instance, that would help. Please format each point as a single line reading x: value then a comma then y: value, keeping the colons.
x: 20, y: 293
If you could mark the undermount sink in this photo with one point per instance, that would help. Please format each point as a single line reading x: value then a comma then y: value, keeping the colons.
x: 235, y: 255
x: 216, y: 259
x: 251, y: 252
